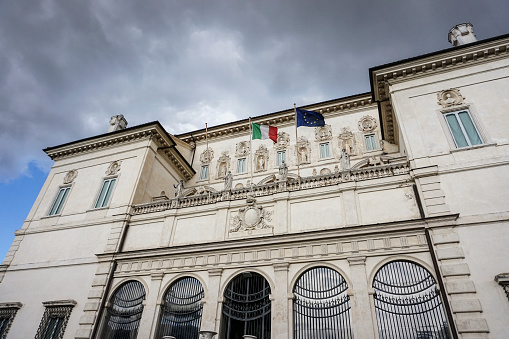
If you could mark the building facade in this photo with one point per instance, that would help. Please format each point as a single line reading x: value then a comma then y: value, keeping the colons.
x: 386, y: 222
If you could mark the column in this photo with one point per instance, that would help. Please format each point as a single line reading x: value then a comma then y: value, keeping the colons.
x: 280, y: 301
x: 148, y: 317
x: 208, y: 320
x: 362, y: 317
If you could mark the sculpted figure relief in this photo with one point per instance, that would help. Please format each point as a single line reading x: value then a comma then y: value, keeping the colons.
x: 228, y: 181
x: 179, y: 188
x: 283, y: 171
x: 345, y: 160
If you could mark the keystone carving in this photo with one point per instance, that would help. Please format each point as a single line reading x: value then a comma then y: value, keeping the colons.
x: 251, y: 217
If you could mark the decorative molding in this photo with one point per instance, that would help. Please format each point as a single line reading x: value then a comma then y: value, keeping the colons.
x: 70, y: 176
x: 283, y: 140
x: 252, y: 217
x: 450, y: 97
x: 113, y: 168
x: 367, y: 124
x: 323, y: 133
x: 206, y: 156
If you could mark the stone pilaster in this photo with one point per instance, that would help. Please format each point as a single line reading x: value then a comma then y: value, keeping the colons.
x: 280, y: 301
x: 150, y: 307
x: 362, y: 315
x: 210, y: 304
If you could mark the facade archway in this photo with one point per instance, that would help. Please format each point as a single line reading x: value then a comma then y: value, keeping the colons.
x: 407, y: 302
x: 181, y: 310
x: 246, y: 307
x: 321, y: 307
x: 122, y: 318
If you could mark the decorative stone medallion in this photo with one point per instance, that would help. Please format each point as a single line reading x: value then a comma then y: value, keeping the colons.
x: 367, y: 124
x: 252, y: 217
x: 450, y: 97
x: 113, y: 168
x: 207, y: 156
x: 283, y: 140
x: 70, y: 176
x: 323, y: 133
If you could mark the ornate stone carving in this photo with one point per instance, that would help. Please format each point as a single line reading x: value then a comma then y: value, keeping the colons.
x: 323, y: 133
x: 303, y: 151
x: 345, y: 160
x: 325, y: 171
x: 242, y: 149
x: 207, y: 156
x: 113, y: 168
x: 261, y: 158
x: 70, y: 176
x: 347, y: 140
x: 228, y: 181
x: 367, y: 124
x: 251, y: 217
x: 239, y: 185
x: 223, y: 165
x: 450, y: 97
x: 283, y: 140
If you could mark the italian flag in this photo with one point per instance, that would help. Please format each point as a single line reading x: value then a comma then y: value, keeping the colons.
x: 264, y: 132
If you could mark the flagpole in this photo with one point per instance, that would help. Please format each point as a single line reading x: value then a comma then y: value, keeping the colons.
x: 251, y: 150
x: 296, y: 143
x: 207, y: 150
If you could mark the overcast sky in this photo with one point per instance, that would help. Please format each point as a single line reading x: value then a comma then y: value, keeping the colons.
x: 67, y: 66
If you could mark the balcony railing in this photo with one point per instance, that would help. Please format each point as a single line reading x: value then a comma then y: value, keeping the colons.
x: 290, y: 185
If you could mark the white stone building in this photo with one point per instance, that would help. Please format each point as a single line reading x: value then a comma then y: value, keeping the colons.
x: 389, y: 221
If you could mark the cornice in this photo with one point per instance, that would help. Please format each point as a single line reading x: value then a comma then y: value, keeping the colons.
x: 337, y: 106
x: 437, y: 63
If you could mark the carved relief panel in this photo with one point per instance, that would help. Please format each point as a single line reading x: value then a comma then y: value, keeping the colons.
x: 70, y: 176
x: 207, y: 156
x: 303, y: 151
x: 242, y: 149
x: 347, y: 140
x: 223, y: 165
x: 261, y: 159
x: 113, y: 168
x: 450, y: 97
x: 251, y: 219
x: 283, y: 140
x: 323, y: 133
x: 367, y: 124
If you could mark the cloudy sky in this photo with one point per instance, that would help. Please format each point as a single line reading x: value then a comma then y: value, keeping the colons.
x: 66, y: 66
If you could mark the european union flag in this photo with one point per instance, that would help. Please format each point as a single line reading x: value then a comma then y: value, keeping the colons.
x: 309, y: 118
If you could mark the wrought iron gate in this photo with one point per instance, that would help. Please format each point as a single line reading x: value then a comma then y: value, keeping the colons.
x: 321, y: 308
x: 123, y: 317
x: 246, y: 307
x: 407, y: 303
x: 182, y: 310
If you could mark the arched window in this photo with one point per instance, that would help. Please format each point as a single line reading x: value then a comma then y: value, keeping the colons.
x: 122, y: 318
x: 321, y: 308
x: 182, y: 309
x: 246, y: 307
x: 407, y: 303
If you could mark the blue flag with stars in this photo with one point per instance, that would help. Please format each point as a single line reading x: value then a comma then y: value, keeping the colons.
x: 309, y: 118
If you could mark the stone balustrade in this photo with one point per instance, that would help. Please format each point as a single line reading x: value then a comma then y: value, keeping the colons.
x: 292, y: 184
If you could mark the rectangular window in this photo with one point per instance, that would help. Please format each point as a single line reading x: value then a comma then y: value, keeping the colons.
x: 54, y: 319
x: 463, y: 129
x: 370, y: 142
x: 56, y: 208
x: 7, y: 314
x: 324, y: 151
x: 204, y: 173
x: 241, y: 165
x: 281, y: 156
x: 105, y: 194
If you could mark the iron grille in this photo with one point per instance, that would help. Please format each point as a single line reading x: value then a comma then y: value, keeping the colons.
x: 122, y: 318
x: 246, y: 307
x: 6, y: 317
x: 53, y: 323
x: 182, y: 310
x: 407, y: 303
x: 321, y: 308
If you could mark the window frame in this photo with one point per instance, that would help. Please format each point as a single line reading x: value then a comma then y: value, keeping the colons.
x: 464, y: 132
x: 329, y: 150
x: 62, y: 201
x: 201, y: 172
x: 60, y: 309
x: 98, y: 195
x: 278, y: 158
x: 8, y: 311
x: 244, y: 161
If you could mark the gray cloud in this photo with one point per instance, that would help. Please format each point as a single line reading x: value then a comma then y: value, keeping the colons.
x: 66, y: 66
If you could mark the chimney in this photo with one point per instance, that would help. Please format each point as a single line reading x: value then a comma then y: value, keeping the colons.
x: 462, y: 34
x: 117, y: 122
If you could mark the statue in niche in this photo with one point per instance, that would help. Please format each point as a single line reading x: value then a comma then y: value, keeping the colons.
x: 222, y: 169
x: 303, y: 150
x: 261, y: 163
x: 283, y: 171
x: 179, y: 188
x: 345, y: 160
x: 261, y: 157
x: 347, y: 140
x: 303, y: 155
x: 228, y: 181
x: 223, y: 165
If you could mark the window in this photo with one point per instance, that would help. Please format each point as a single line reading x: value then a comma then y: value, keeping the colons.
x: 370, y: 141
x: 463, y: 129
x: 56, y: 208
x: 241, y: 165
x: 105, y: 194
x: 281, y: 156
x: 204, y: 173
x: 324, y: 150
x: 55, y: 319
x: 7, y: 314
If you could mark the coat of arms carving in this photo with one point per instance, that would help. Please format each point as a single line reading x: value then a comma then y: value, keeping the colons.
x: 283, y: 139
x: 207, y: 156
x: 367, y: 124
x: 252, y: 217
x: 450, y: 97
x: 323, y: 133
x: 242, y: 149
